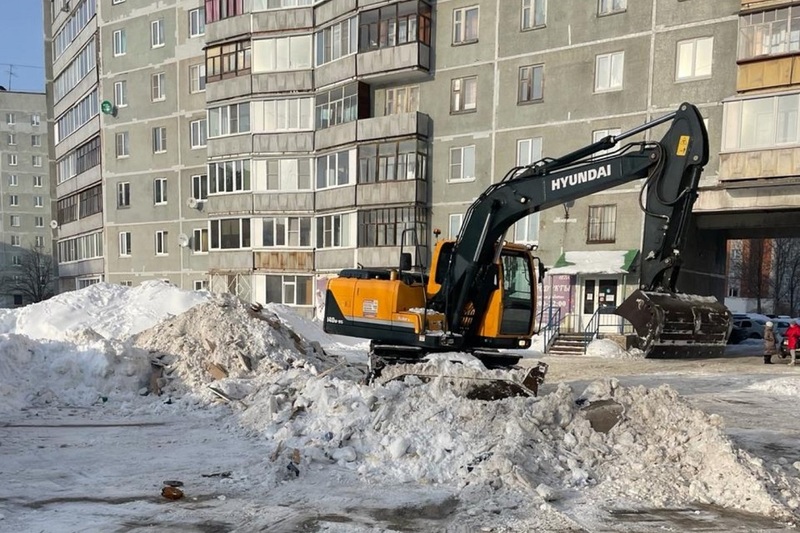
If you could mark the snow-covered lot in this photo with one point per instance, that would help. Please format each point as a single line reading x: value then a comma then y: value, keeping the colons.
x: 301, y: 445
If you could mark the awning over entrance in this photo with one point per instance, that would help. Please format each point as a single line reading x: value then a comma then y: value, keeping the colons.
x: 595, y: 262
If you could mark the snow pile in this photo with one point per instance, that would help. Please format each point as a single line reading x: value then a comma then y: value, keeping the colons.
x: 226, y: 342
x: 789, y: 386
x: 609, y: 349
x: 80, y: 373
x: 663, y: 452
x: 113, y: 311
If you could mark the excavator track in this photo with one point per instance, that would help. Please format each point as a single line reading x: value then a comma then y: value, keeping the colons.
x: 472, y: 381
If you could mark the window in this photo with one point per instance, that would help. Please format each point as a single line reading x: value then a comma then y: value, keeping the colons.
x: 390, y: 161
x: 12, y: 160
x: 36, y: 140
x: 286, y: 232
x: 606, y: 7
x: 602, y: 224
x: 464, y: 95
x: 67, y: 209
x: 38, y: 201
x: 35, y: 119
x: 38, y: 221
x: 694, y: 58
x: 197, y: 133
x: 395, y: 25
x: 78, y: 115
x: 608, y: 72
x: 229, y: 176
x: 384, y: 227
x: 16, y: 260
x: 120, y: 43
x: 197, y: 22
x: 201, y: 284
x: 11, y: 119
x: 115, y: 2
x: 771, y: 32
x: 12, y: 139
x: 79, y: 160
x: 600, y: 134
x: 465, y: 25
x: 16, y: 240
x: 123, y: 194
x: 37, y: 181
x: 161, y: 243
x: 39, y: 241
x: 531, y: 84
x: 534, y: 14
x: 529, y: 151
x: 80, y: 248
x: 293, y: 114
x: 337, y: 106
x: 124, y: 244
x: 91, y: 201
x: 333, y: 231
x: 290, y: 290
x: 121, y: 93
x: 233, y: 58
x: 200, y: 187
x: 462, y: 163
x: 229, y: 120
x: 230, y: 233
x: 761, y: 122
x: 73, y: 26
x: 288, y: 174
x: 197, y: 78
x: 222, y: 9
x: 200, y: 241
x: 83, y: 63
x: 159, y: 140
x: 333, y: 170
x: 337, y: 41
x: 283, y: 53
x: 401, y: 100
x: 15, y: 221
x: 122, y: 144
x: 13, y: 200
x: 160, y: 191
x: 13, y: 181
x: 157, y: 92
x: 454, y: 225
x: 36, y: 160
x: 263, y: 5
x: 157, y: 33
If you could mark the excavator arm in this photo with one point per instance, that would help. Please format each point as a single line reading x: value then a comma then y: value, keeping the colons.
x: 671, y: 167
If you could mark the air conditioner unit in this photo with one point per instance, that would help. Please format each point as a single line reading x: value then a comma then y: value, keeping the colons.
x: 54, y: 224
x: 192, y: 203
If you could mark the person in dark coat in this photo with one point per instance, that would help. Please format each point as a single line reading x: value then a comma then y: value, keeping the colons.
x: 769, y: 343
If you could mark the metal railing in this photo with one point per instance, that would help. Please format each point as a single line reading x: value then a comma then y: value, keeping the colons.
x: 552, y: 325
x: 605, y: 318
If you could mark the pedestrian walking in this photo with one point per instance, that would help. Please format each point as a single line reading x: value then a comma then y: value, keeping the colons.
x: 792, y: 337
x: 769, y: 343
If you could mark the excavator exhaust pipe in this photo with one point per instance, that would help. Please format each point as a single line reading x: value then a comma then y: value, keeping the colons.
x: 675, y: 325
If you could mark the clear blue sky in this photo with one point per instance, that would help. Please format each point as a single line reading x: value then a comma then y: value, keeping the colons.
x: 22, y: 44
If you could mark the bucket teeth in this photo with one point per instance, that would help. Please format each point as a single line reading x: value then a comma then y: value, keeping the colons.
x: 673, y: 325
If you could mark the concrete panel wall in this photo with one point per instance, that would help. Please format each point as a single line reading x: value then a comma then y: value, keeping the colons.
x: 335, y: 259
x: 279, y: 143
x: 336, y: 198
x: 289, y: 202
x: 230, y: 260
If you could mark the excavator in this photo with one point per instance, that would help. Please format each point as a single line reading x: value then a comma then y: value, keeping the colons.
x: 480, y: 293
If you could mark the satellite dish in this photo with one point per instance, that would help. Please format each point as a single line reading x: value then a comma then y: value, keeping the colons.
x: 192, y: 202
x: 183, y: 240
x: 54, y: 224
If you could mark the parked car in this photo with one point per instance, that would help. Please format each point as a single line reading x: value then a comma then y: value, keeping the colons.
x: 753, y: 328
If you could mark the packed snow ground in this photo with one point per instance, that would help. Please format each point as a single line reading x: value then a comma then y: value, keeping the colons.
x: 263, y: 417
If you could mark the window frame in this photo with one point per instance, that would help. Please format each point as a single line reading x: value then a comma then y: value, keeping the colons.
x: 600, y: 88
x: 611, y: 10
x: 157, y: 34
x: 693, y: 76
x: 120, y: 42
x: 216, y: 236
x: 197, y: 22
x: 161, y: 244
x: 200, y: 187
x: 461, y: 34
x: 530, y: 80
x: 200, y: 241
x: 122, y: 144
x: 290, y: 282
x: 281, y: 232
x: 159, y: 140
x: 125, y: 242
x: 459, y: 93
x: 199, y: 129
x: 531, y: 7
x: 121, y: 94
x: 197, y: 84
x: 462, y: 150
x: 598, y: 224
x: 158, y: 83
x: 160, y: 191
x: 123, y: 195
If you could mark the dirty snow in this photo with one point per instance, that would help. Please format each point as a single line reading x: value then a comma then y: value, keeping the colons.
x: 314, y: 424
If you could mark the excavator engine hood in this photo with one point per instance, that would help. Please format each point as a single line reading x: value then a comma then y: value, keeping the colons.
x: 675, y: 325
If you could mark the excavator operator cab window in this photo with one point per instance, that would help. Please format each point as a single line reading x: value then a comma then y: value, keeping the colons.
x: 517, y: 279
x: 445, y: 252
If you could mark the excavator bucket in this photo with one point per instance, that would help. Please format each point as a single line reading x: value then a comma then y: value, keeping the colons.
x: 673, y: 325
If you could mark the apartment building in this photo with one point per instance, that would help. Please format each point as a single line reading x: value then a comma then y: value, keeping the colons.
x: 25, y: 210
x: 338, y: 130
